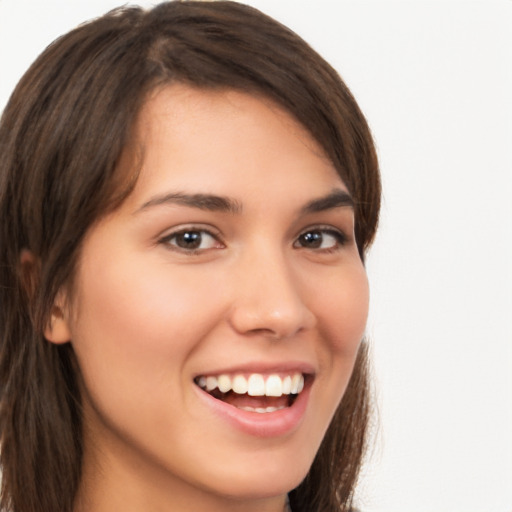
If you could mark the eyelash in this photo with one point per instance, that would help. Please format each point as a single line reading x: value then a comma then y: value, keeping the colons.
x: 317, y: 236
x: 340, y: 238
x: 166, y: 240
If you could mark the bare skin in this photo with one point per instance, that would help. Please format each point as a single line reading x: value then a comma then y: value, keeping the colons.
x: 235, y: 254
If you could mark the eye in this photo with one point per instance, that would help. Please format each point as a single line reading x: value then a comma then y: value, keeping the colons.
x: 321, y: 238
x: 192, y: 240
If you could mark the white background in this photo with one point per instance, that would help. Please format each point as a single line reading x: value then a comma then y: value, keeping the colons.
x: 435, y: 81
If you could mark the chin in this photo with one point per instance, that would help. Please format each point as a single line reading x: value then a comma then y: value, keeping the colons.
x: 260, y: 477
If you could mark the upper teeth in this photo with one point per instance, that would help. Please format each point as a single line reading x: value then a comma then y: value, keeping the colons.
x: 255, y: 385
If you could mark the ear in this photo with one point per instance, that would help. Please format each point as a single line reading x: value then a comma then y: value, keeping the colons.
x: 57, y: 329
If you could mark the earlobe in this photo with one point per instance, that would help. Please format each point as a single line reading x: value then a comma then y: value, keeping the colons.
x: 57, y: 331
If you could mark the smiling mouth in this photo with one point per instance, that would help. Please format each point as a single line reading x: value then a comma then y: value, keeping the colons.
x: 255, y: 392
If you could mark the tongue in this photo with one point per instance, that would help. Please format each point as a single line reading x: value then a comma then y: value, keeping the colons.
x: 255, y: 401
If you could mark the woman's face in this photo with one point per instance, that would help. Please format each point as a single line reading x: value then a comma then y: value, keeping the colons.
x: 231, y: 265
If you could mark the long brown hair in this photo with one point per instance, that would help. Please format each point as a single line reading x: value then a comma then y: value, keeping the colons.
x: 61, y: 137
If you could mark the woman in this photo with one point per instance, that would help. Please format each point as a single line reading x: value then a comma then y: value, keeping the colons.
x: 186, y: 196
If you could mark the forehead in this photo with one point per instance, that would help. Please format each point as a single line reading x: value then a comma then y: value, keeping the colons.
x: 183, y: 111
x: 184, y: 131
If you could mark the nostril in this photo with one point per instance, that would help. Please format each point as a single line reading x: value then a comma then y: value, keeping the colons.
x: 272, y: 324
x: 267, y: 333
x: 268, y: 300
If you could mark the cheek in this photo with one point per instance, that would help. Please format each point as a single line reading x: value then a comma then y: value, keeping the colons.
x: 140, y: 322
x: 343, y: 311
x: 154, y: 298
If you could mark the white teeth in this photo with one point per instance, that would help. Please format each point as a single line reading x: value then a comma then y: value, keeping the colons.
x: 261, y: 410
x: 211, y: 383
x: 274, y: 386
x: 224, y: 383
x: 255, y: 385
x: 296, y: 379
x: 240, y: 385
x: 287, y: 385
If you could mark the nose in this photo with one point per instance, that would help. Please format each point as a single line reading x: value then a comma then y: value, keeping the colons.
x: 268, y: 299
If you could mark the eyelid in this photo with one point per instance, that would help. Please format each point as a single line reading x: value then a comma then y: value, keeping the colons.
x: 325, y: 228
x: 340, y: 234
x: 168, y: 235
x: 200, y: 226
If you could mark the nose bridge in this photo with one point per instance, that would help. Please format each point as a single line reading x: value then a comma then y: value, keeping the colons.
x: 268, y: 298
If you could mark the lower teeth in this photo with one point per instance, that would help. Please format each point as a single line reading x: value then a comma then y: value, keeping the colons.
x: 261, y: 410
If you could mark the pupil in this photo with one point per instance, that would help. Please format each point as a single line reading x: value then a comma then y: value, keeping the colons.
x: 189, y: 240
x: 312, y: 239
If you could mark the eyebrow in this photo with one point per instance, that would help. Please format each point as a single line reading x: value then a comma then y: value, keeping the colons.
x: 206, y: 202
x: 336, y: 199
x: 209, y: 202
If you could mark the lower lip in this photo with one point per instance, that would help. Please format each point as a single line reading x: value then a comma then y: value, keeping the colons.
x: 269, y: 424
